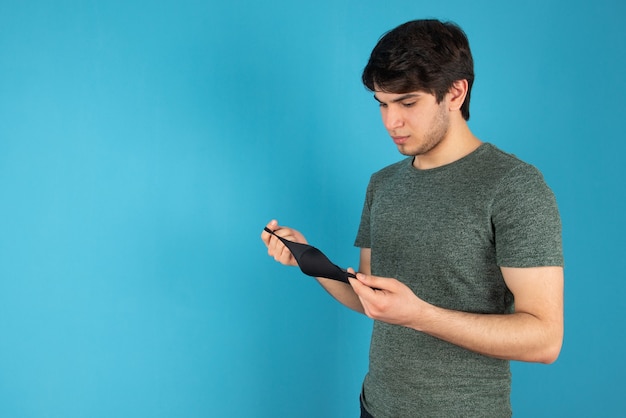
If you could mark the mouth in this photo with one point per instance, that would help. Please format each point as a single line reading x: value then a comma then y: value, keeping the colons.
x: 400, y: 140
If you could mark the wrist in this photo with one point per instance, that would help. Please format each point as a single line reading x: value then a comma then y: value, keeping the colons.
x: 426, y: 317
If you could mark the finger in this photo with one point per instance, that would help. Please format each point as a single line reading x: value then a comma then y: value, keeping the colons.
x: 272, y: 226
x: 278, y: 250
x: 275, y: 247
x: 351, y: 271
x: 376, y: 283
x: 361, y: 289
x: 372, y: 281
x: 271, y: 240
x: 283, y: 255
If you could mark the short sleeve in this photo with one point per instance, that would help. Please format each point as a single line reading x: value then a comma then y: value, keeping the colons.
x: 363, y: 237
x: 526, y: 221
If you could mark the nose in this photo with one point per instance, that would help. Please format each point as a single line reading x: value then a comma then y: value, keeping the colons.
x: 392, y: 118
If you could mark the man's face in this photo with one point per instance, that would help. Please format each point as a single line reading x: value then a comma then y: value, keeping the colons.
x: 415, y: 121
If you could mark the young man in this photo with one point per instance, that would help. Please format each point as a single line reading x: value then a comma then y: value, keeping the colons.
x: 461, y: 260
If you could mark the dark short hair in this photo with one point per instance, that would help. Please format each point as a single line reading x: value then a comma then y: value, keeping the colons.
x: 421, y: 55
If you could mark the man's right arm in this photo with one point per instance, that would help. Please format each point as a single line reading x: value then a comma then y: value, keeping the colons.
x: 343, y: 292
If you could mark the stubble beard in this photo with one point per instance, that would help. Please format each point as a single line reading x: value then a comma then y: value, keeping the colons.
x: 433, y: 137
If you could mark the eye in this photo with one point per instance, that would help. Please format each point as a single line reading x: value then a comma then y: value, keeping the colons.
x: 382, y: 104
x: 410, y: 104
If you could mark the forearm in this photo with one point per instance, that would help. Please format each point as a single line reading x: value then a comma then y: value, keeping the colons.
x: 342, y: 292
x: 533, y: 333
x: 517, y: 336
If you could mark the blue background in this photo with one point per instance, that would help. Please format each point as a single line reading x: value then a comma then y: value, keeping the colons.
x: 144, y: 145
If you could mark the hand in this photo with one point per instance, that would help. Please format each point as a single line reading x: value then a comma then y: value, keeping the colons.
x: 275, y: 248
x: 388, y: 300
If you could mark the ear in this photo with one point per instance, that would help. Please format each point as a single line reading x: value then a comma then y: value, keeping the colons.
x: 457, y: 94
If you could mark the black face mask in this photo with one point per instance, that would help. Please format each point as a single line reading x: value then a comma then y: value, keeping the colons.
x: 313, y: 262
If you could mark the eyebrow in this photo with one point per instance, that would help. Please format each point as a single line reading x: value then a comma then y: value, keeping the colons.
x: 399, y: 99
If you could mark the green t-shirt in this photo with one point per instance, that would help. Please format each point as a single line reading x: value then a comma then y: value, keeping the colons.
x: 445, y: 233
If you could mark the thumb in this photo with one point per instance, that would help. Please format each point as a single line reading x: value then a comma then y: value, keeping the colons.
x: 271, y: 226
x: 374, y: 282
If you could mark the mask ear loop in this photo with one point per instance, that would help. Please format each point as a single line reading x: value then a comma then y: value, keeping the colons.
x: 312, y: 261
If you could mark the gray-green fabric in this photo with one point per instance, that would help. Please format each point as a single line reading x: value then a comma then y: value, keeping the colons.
x: 445, y: 232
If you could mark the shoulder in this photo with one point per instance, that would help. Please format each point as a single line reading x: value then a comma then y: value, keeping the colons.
x: 394, y: 168
x: 494, y: 158
x: 391, y: 171
x: 505, y: 168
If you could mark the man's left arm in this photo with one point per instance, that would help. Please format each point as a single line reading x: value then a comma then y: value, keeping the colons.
x: 533, y: 332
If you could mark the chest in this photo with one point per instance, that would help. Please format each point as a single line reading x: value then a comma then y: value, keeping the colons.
x: 433, y: 216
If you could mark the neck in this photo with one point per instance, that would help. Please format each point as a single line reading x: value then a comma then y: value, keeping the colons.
x: 458, y: 142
